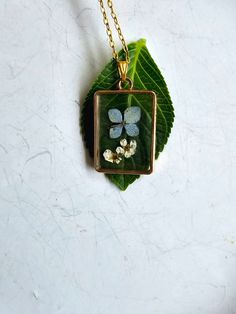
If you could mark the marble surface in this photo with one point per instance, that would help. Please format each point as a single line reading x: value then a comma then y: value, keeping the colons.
x: 70, y: 241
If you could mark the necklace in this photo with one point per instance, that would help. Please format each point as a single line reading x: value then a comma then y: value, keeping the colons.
x: 124, y: 118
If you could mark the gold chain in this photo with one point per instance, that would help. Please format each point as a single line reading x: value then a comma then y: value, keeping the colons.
x: 109, y: 32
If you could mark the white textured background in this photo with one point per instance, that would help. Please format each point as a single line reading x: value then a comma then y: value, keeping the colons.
x: 70, y: 242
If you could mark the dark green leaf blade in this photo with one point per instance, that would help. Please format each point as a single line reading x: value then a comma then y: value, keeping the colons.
x: 122, y: 181
x: 145, y: 75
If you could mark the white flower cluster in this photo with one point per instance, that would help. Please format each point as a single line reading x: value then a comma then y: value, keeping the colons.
x: 125, y: 150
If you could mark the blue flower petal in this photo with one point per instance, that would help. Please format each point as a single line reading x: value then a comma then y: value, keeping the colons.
x: 132, y: 114
x: 132, y: 129
x: 115, y: 131
x: 115, y: 115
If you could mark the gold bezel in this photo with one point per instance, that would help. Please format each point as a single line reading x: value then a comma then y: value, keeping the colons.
x: 97, y: 164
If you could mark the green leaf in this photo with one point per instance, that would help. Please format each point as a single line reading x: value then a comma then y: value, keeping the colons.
x: 145, y: 75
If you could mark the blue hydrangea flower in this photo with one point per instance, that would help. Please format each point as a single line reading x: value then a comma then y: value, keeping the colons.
x: 131, y: 116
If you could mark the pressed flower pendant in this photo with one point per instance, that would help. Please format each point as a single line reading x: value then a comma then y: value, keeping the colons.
x: 125, y: 118
x: 124, y: 131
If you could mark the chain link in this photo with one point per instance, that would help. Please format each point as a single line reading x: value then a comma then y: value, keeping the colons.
x: 109, y: 32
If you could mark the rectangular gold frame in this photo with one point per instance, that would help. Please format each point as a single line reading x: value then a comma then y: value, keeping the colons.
x: 97, y: 164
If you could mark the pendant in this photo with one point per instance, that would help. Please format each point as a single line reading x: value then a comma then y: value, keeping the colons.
x: 124, y: 128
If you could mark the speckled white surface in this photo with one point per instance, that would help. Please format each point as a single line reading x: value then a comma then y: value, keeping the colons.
x: 70, y: 242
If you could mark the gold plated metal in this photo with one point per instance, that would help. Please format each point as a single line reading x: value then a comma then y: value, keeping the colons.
x: 125, y: 86
x: 97, y: 126
x: 117, y: 27
x: 128, y: 80
x: 121, y: 64
x: 123, y: 69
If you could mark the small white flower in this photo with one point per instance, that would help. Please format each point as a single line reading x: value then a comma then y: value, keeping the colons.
x: 123, y: 142
x: 108, y: 154
x: 112, y: 157
x: 128, y: 149
x: 120, y: 151
x: 133, y: 144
